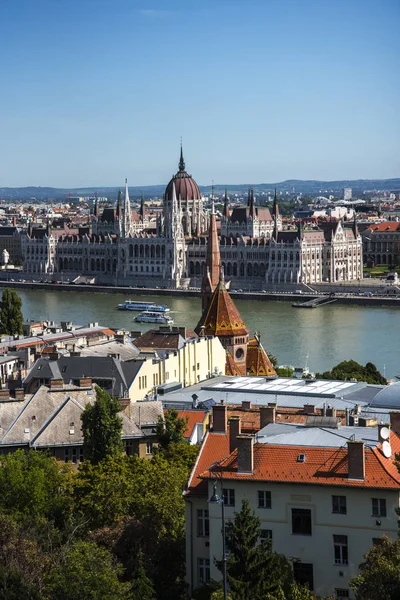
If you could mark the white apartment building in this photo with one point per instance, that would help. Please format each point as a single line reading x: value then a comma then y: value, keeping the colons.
x: 324, y: 494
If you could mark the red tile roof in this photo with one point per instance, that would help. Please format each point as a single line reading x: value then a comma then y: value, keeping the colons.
x: 193, y: 418
x: 257, y: 361
x: 385, y: 226
x: 278, y: 463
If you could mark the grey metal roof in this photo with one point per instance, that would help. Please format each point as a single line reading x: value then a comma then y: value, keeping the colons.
x: 388, y: 397
x: 299, y: 435
x: 70, y: 368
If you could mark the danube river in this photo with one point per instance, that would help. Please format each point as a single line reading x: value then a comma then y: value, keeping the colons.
x: 326, y: 335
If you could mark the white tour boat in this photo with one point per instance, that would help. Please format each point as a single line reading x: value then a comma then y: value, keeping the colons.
x: 140, y: 306
x: 148, y: 316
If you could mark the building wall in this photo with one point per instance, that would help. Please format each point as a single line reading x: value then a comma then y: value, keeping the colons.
x: 381, y: 247
x: 358, y: 525
x: 195, y: 362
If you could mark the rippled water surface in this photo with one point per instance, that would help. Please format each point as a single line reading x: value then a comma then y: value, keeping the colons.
x: 326, y: 335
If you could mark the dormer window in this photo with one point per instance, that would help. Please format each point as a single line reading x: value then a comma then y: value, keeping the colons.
x: 301, y: 458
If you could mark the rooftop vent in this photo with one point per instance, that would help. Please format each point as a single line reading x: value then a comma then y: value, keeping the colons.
x: 319, y: 421
x: 301, y: 458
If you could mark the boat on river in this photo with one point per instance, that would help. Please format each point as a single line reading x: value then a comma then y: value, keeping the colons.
x: 141, y: 306
x: 148, y: 316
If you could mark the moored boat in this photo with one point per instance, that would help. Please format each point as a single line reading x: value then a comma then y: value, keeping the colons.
x: 141, y: 306
x: 148, y: 316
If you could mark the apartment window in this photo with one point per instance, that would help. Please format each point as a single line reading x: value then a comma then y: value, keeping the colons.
x: 74, y: 458
x: 341, y: 594
x: 266, y: 535
x: 339, y: 505
x: 204, y: 570
x: 229, y: 497
x: 341, y: 549
x: 301, y: 521
x: 81, y: 454
x: 378, y: 507
x: 304, y: 574
x: 66, y: 455
x: 203, y: 523
x: 264, y: 499
x: 149, y: 447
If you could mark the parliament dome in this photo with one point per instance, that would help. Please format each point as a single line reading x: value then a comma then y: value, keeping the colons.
x: 185, y: 186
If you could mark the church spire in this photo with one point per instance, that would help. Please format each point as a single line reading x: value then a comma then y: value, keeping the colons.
x: 275, y: 208
x: 127, y: 229
x: 226, y: 209
x: 181, y: 161
x: 118, y: 212
x: 252, y: 211
x: 213, y: 262
x: 142, y: 209
x: 355, y: 226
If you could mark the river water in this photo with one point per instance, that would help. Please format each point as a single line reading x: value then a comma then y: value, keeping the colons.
x: 326, y: 335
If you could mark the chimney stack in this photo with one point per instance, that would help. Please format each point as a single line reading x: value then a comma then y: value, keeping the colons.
x: 395, y: 422
x: 235, y: 429
x: 309, y: 409
x: 245, y: 453
x: 56, y: 384
x: 267, y: 415
x: 246, y: 404
x: 356, y: 459
x: 220, y: 419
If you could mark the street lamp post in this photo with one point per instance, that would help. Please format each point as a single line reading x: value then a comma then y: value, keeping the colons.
x: 216, y: 499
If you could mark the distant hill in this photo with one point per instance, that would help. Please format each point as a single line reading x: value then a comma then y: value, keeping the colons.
x: 311, y: 187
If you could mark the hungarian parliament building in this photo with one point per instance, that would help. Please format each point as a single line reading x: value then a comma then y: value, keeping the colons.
x: 122, y: 247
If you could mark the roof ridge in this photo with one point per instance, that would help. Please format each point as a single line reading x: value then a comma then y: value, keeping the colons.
x: 53, y: 416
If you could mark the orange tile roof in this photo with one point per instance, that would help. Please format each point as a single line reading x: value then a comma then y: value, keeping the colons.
x: 193, y: 418
x: 385, y: 226
x: 221, y: 317
x: 231, y: 368
x: 257, y: 361
x: 278, y: 463
x: 215, y: 446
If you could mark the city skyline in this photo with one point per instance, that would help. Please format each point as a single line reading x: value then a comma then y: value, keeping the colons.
x: 259, y: 92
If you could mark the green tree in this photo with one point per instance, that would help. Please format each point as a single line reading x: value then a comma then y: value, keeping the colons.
x: 171, y: 429
x: 379, y: 574
x: 33, y: 484
x: 253, y: 569
x: 273, y: 359
x: 102, y: 427
x: 88, y: 572
x: 142, y: 586
x: 350, y: 369
x: 23, y: 565
x: 11, y: 318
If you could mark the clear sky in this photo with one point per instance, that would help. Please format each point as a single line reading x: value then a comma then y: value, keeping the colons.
x: 93, y: 91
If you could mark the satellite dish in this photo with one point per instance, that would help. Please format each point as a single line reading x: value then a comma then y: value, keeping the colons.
x: 386, y: 449
x: 385, y: 433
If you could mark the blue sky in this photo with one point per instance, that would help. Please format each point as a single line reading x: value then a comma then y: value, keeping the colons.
x: 93, y: 91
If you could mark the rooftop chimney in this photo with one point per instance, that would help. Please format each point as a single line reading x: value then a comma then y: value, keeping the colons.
x: 246, y: 404
x: 355, y: 459
x: 219, y: 418
x: 20, y: 393
x: 309, y: 409
x: 245, y: 453
x: 56, y: 383
x: 85, y: 382
x: 235, y: 429
x: 395, y: 422
x: 267, y: 415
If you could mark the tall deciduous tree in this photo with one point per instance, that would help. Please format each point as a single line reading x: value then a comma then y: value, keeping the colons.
x: 11, y: 318
x: 253, y: 569
x: 379, y: 574
x: 171, y: 429
x: 102, y: 427
x: 88, y: 573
